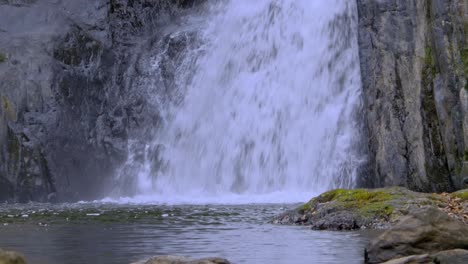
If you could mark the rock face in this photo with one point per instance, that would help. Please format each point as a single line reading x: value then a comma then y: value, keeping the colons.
x: 68, y: 93
x: 426, y: 231
x: 71, y: 75
x: 414, y: 65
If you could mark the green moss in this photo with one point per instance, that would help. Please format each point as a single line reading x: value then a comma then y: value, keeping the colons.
x: 464, y: 57
x: 462, y: 194
x: 429, y: 62
x: 8, y: 108
x: 2, y: 57
x: 365, y: 202
x: 307, y: 206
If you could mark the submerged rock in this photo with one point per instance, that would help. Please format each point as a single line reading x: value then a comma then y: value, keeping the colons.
x: 185, y: 260
x: 11, y: 257
x: 426, y: 231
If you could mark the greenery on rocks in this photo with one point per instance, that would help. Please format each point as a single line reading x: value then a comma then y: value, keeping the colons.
x: 429, y: 61
x: 464, y: 57
x: 462, y: 194
x: 365, y: 202
x: 371, y: 208
x: 2, y: 57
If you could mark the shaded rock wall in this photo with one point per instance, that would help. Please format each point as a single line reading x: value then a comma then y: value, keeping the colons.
x: 413, y: 65
x: 67, y: 99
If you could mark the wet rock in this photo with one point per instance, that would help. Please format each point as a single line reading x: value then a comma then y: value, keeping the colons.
x: 412, y: 56
x: 70, y: 96
x: 415, y: 259
x: 184, y: 260
x: 371, y: 208
x: 356, y: 209
x: 454, y: 256
x: 11, y: 257
x: 425, y: 231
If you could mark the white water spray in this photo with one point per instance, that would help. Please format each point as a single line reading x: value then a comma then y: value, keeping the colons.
x: 269, y: 114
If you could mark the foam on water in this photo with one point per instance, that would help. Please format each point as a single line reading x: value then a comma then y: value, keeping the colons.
x: 201, y: 198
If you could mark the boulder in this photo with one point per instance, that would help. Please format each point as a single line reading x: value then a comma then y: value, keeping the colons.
x: 185, y: 260
x: 11, y: 257
x: 454, y: 256
x: 424, y: 231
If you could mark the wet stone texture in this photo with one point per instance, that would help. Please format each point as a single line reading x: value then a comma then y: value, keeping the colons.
x: 414, y: 75
x: 69, y: 95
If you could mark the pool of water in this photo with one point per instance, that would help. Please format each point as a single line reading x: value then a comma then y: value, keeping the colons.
x: 109, y: 233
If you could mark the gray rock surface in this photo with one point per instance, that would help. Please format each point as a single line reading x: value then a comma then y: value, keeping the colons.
x: 68, y: 93
x: 414, y: 259
x: 414, y: 68
x: 454, y: 256
x: 426, y: 231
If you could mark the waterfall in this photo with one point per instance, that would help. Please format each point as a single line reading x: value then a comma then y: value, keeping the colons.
x: 266, y: 111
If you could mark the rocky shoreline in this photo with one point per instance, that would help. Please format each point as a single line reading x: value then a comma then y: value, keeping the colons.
x: 420, y: 227
x: 371, y: 208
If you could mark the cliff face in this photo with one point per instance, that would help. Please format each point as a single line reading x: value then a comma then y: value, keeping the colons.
x: 71, y: 92
x: 68, y: 97
x: 414, y: 68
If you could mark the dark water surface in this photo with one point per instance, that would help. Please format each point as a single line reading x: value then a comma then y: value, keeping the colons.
x: 105, y: 233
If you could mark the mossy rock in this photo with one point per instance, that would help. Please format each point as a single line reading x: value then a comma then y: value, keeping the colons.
x: 462, y: 194
x: 365, y: 202
x: 464, y: 57
x: 9, y: 108
x: 359, y: 208
x: 3, y: 58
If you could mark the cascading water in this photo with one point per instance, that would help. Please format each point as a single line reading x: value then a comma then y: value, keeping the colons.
x: 268, y: 113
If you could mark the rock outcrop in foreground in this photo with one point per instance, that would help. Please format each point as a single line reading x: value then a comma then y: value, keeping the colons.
x: 371, y: 208
x: 424, y: 235
x: 420, y: 227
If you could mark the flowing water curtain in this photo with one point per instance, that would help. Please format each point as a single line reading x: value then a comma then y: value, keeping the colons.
x: 270, y: 106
